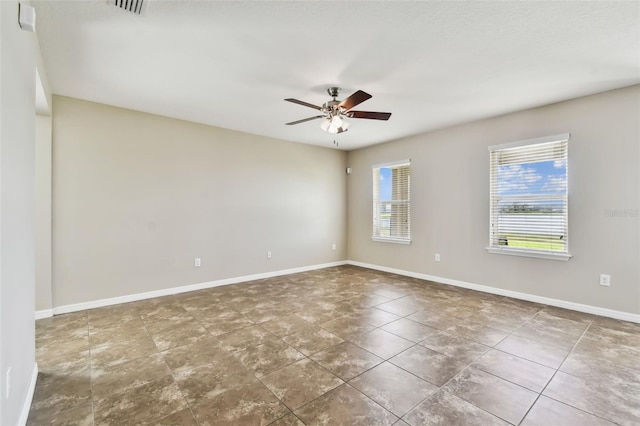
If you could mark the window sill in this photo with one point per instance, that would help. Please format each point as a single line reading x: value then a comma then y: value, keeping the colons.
x: 390, y: 240
x: 527, y: 253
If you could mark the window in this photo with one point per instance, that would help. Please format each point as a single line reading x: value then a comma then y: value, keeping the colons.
x: 528, y: 198
x: 391, y: 202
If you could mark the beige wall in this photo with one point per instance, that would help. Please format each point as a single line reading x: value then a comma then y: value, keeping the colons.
x: 136, y: 197
x: 450, y: 202
x: 17, y: 195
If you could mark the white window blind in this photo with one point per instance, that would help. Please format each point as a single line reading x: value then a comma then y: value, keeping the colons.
x: 392, y: 202
x: 529, y: 198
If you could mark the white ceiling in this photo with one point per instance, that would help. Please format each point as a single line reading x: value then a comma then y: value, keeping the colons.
x: 432, y: 64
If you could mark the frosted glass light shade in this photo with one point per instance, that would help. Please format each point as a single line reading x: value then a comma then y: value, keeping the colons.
x: 334, y: 125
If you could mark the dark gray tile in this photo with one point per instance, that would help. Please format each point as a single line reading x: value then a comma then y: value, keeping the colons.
x: 375, y: 316
x: 347, y: 327
x: 597, y: 361
x: 543, y: 334
x: 445, y: 409
x: 218, y: 323
x: 399, y: 307
x: 544, y: 354
x: 429, y: 365
x: 503, y: 316
x: 250, y: 404
x: 287, y: 325
x: 346, y: 360
x: 438, y: 321
x: 207, y: 381
x: 393, y: 388
x: 268, y: 357
x: 124, y: 315
x: 288, y: 420
x: 178, y: 334
x: 245, y: 338
x: 606, y: 399
x: 179, y: 418
x: 141, y: 405
x: 382, y: 343
x: 458, y: 348
x: 129, y: 375
x: 558, y: 321
x: 409, y: 330
x: 520, y: 371
x: 113, y: 349
x: 78, y: 415
x: 499, y: 397
x: 345, y: 406
x: 312, y: 340
x: 614, y: 337
x: 213, y: 350
x: 478, y: 333
x: 57, y: 393
x: 194, y: 354
x: 547, y: 411
x: 301, y: 382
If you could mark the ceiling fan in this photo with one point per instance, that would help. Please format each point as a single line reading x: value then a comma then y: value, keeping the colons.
x: 334, y: 112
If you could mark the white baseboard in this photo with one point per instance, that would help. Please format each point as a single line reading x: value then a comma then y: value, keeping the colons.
x: 176, y: 290
x: 626, y: 316
x: 26, y: 406
x: 44, y: 313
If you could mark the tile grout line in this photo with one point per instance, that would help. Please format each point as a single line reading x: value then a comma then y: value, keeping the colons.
x: 512, y: 334
x: 171, y: 370
x: 412, y: 346
x: 344, y: 382
x: 558, y: 370
x: 181, y: 392
x: 384, y: 359
x: 471, y: 364
x: 159, y: 352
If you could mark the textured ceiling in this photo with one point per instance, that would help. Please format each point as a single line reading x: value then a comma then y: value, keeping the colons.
x: 432, y: 64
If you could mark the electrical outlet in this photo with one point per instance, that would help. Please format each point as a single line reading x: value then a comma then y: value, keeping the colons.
x: 268, y: 255
x: 333, y: 247
x: 197, y: 262
x: 437, y: 257
x: 605, y: 280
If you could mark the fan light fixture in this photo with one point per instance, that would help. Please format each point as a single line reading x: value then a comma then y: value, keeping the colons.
x: 334, y: 112
x: 336, y: 124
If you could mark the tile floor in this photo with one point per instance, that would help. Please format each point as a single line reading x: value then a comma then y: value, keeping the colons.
x: 342, y: 345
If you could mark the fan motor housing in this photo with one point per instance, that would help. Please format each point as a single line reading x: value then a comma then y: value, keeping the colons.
x: 333, y: 92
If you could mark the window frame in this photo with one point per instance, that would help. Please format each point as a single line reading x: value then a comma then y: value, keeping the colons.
x: 376, y: 202
x: 494, y: 198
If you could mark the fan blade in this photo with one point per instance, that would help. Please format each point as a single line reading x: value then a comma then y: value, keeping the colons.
x: 303, y: 103
x: 304, y: 119
x: 355, y: 99
x: 370, y: 115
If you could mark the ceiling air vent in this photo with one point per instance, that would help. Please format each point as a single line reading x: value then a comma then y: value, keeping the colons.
x: 134, y: 6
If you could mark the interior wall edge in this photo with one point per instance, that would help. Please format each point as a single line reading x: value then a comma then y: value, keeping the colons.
x: 26, y: 406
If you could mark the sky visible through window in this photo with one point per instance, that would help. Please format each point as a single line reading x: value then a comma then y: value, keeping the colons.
x: 385, y: 184
x: 538, y: 178
x: 544, y: 177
